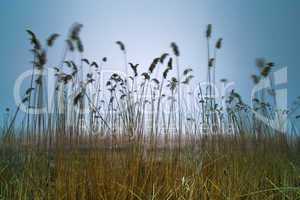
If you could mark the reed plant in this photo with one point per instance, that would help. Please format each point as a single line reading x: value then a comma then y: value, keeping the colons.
x: 139, y: 137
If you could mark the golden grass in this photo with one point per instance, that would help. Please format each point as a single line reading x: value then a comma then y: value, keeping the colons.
x: 210, y: 168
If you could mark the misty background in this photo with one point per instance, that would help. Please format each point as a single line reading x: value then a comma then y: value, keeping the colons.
x: 250, y: 29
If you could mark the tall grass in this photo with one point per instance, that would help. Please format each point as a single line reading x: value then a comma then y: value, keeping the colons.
x: 139, y: 136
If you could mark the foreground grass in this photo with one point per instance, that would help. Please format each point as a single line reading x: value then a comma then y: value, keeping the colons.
x: 218, y: 167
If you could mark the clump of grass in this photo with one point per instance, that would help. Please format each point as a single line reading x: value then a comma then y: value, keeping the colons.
x: 140, y: 138
x: 222, y: 168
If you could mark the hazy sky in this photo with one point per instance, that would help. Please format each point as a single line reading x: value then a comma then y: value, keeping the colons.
x: 250, y: 29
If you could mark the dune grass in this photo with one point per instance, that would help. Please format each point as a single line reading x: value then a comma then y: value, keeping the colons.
x: 144, y: 136
x: 217, y: 167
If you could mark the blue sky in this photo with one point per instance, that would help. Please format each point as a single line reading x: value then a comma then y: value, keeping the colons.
x: 250, y: 29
